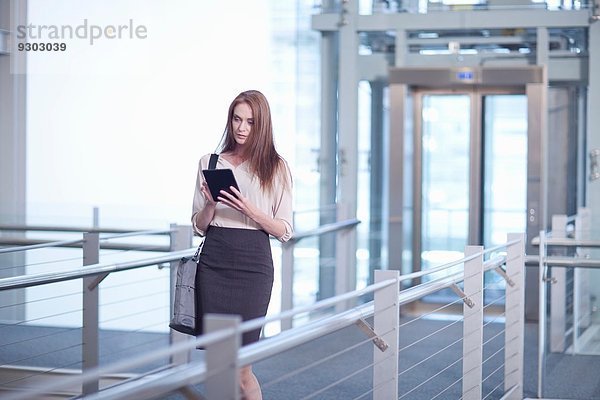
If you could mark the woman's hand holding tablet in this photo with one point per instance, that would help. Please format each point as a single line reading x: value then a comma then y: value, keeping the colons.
x: 219, y: 179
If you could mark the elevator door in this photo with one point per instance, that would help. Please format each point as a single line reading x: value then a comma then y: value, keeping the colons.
x: 471, y: 161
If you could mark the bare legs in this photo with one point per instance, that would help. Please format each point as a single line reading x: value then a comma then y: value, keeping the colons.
x: 249, y: 384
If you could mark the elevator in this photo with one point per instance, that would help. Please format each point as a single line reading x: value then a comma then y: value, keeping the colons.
x: 470, y: 148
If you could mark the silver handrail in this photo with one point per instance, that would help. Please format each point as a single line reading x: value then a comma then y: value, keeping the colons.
x: 571, y: 262
x: 41, y: 243
x: 138, y: 233
x: 17, y: 282
x: 555, y: 261
x: 285, y: 341
x: 25, y: 244
x: 102, y: 268
x: 200, y: 341
x: 304, y: 333
x: 53, y: 228
x: 326, y: 228
x: 442, y: 267
x: 158, y: 385
x: 329, y: 207
x: 566, y: 242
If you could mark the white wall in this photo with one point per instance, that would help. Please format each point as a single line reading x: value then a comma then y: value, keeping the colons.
x: 120, y: 124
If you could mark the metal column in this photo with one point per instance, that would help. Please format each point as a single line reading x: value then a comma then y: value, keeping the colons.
x: 90, y: 334
x: 395, y: 156
x: 348, y: 126
x: 376, y: 163
x: 327, y: 157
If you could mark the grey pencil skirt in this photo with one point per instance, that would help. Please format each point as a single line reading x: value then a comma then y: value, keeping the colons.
x: 235, y: 276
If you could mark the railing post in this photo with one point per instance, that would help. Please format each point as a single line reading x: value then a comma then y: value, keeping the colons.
x: 473, y: 325
x: 345, y: 260
x: 514, y: 317
x: 542, y: 315
x: 222, y: 358
x: 180, y: 239
x: 582, y: 307
x: 386, y: 325
x: 558, y: 291
x: 287, y: 281
x: 89, y: 332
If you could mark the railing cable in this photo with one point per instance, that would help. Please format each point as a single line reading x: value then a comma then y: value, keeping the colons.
x: 492, y: 373
x: 39, y: 300
x: 41, y: 318
x: 321, y: 361
x: 60, y: 332
x: 324, y: 389
x: 12, y: 362
x: 430, y: 378
x: 447, y: 388
x: 430, y: 357
x: 425, y: 315
x: 62, y: 260
x: 493, y: 390
x: 430, y: 335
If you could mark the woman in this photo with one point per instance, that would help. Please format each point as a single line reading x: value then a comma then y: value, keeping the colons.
x: 235, y: 272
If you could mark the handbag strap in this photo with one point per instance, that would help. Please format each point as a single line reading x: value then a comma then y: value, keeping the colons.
x: 212, y: 163
x: 197, y: 254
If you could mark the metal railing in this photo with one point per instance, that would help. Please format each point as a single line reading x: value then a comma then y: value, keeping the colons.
x: 287, y: 264
x: 565, y: 267
x: 22, y: 244
x: 93, y: 272
x: 218, y: 371
x: 77, y: 333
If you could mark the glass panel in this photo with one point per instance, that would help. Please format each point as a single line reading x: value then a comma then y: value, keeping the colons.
x: 363, y: 194
x: 445, y: 180
x: 505, y: 175
x: 586, y: 289
x: 587, y: 313
x: 409, y: 186
x: 505, y: 166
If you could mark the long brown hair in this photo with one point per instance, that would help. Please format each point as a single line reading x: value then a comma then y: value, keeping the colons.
x: 263, y: 159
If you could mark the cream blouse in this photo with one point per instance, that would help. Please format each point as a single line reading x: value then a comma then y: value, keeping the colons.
x: 276, y: 203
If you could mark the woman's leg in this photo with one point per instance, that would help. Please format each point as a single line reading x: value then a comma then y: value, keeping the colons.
x: 249, y: 384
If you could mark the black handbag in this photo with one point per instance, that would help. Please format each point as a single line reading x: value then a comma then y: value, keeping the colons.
x: 184, y: 303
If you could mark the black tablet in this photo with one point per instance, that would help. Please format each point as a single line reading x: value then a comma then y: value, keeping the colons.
x: 219, y: 179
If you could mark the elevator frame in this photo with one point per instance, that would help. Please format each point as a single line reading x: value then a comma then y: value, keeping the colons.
x: 528, y: 80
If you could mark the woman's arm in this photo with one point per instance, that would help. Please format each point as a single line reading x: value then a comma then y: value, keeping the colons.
x: 279, y: 223
x: 273, y: 226
x: 204, y: 206
x: 202, y: 218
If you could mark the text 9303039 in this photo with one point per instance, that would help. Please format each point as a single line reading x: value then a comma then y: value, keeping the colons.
x: 43, y: 46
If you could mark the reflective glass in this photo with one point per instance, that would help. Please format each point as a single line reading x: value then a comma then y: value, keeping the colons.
x: 445, y: 178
